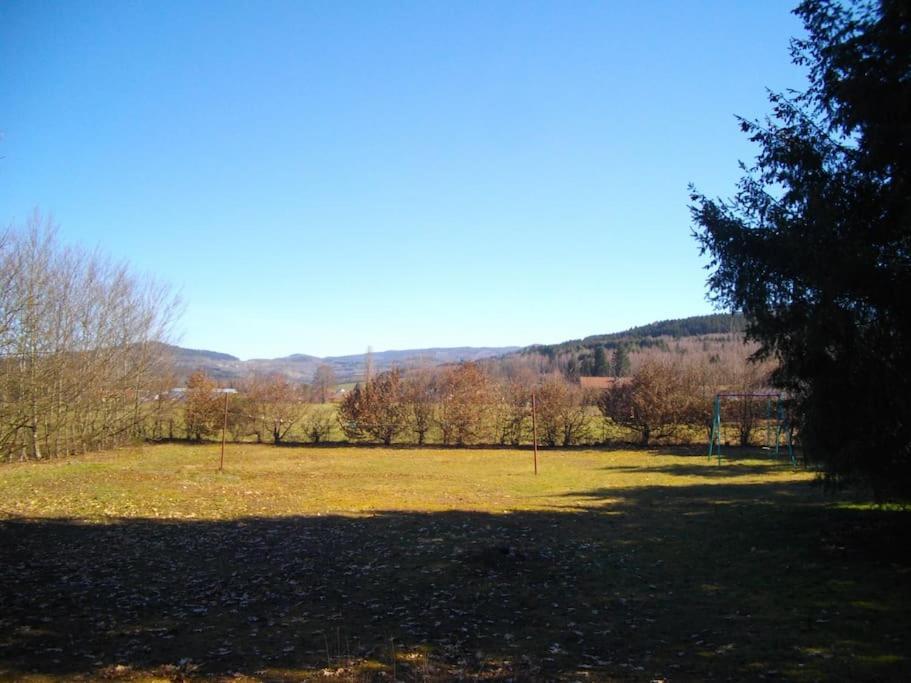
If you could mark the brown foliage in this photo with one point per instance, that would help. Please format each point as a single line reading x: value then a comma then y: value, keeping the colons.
x: 661, y: 398
x: 464, y: 396
x: 562, y: 416
x: 202, y: 407
x: 323, y: 383
x: 419, y: 397
x: 78, y: 351
x: 511, y: 410
x: 275, y: 405
x: 375, y: 411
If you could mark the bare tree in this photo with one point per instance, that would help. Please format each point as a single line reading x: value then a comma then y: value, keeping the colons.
x: 276, y: 404
x: 419, y: 396
x: 323, y: 382
x: 464, y: 398
x: 376, y: 410
x: 562, y: 413
x: 202, y: 408
x: 749, y: 377
x: 656, y: 403
x: 511, y: 410
x: 78, y: 345
x: 317, y: 424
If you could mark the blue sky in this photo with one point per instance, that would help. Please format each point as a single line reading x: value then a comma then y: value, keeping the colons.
x: 319, y: 177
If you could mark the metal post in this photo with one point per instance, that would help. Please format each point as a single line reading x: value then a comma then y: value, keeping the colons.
x: 791, y: 444
x: 534, y: 428
x: 720, y: 424
x: 715, y: 437
x: 768, y: 422
x: 779, y: 416
x: 224, y: 428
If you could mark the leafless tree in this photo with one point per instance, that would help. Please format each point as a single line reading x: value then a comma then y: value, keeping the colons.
x: 78, y: 345
x: 276, y: 405
x: 419, y: 397
x: 202, y: 407
x: 658, y: 401
x: 562, y: 413
x: 317, y: 424
x: 511, y: 410
x: 377, y: 410
x: 464, y: 396
x: 323, y: 382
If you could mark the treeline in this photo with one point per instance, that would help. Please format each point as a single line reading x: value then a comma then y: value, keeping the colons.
x: 84, y: 368
x: 645, y: 336
x: 262, y: 409
x: 694, y: 326
x: 620, y: 356
x: 666, y: 398
x: 78, y: 346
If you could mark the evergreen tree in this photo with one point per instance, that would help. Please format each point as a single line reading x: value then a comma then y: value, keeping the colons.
x: 815, y: 246
x: 601, y: 367
x: 620, y: 366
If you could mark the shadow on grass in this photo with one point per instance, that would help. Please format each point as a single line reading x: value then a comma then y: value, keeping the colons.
x: 723, y: 581
x: 725, y: 471
x: 610, y: 447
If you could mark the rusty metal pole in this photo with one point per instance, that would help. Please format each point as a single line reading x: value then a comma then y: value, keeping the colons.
x: 224, y: 428
x: 534, y: 428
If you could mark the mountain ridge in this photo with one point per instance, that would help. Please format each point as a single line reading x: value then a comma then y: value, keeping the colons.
x: 350, y: 367
x: 300, y: 366
x: 692, y: 326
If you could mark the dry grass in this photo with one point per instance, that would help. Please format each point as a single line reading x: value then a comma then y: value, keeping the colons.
x: 364, y: 563
x: 183, y: 482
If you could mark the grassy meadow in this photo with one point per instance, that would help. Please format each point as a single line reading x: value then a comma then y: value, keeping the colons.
x: 420, y: 564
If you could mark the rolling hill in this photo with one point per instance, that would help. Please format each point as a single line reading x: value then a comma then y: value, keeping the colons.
x: 350, y: 368
x: 300, y: 367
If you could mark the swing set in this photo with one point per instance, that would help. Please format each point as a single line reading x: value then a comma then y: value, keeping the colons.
x: 775, y: 420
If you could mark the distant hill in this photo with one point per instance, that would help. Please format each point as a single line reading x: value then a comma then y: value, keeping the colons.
x: 694, y: 326
x: 202, y: 355
x: 300, y: 367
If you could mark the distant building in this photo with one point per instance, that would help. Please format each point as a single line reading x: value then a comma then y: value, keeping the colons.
x: 603, y: 383
x: 180, y: 393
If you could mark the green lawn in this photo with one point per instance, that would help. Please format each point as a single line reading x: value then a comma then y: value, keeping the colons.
x: 369, y: 563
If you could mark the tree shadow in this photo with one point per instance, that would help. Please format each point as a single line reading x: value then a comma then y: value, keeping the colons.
x: 682, y: 582
x: 729, y: 470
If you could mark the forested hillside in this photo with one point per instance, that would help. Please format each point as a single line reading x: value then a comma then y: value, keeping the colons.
x: 619, y: 353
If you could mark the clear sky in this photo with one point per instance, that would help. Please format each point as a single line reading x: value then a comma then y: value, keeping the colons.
x: 317, y: 177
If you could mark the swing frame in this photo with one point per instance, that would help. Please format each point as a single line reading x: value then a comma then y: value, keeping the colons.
x: 781, y: 422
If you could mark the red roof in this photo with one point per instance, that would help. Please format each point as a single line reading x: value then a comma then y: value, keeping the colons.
x: 603, y: 382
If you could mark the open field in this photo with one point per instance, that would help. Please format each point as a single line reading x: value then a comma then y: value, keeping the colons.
x: 370, y: 563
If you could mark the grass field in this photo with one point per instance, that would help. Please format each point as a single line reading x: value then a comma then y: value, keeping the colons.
x: 382, y: 564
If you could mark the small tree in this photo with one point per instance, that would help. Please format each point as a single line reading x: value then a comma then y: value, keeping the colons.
x: 464, y: 399
x: 660, y: 398
x: 283, y: 406
x: 241, y: 416
x: 601, y: 366
x: 353, y: 414
x: 323, y: 382
x: 511, y: 411
x: 375, y: 411
x: 317, y: 425
x: 202, y: 408
x: 620, y: 365
x: 163, y: 409
x: 562, y: 415
x: 419, y: 395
